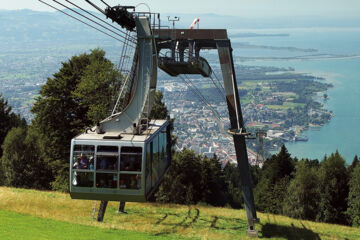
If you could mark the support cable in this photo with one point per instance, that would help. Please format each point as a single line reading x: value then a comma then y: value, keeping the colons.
x: 81, y: 21
x: 105, y: 3
x: 118, y: 29
x: 220, y: 83
x: 202, y: 98
x: 125, y: 57
x: 222, y: 94
x: 197, y: 92
x: 96, y: 7
x: 125, y: 86
x: 121, y: 93
x: 123, y: 53
x: 219, y: 120
x: 89, y: 19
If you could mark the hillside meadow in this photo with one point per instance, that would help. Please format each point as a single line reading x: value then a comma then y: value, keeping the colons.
x: 31, y: 214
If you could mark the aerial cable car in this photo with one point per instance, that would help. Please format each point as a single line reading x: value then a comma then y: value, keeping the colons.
x: 126, y: 155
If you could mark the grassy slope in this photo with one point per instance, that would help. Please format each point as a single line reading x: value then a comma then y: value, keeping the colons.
x: 19, y: 226
x: 143, y: 221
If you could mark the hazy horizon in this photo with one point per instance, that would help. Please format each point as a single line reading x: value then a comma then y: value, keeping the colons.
x: 242, y: 8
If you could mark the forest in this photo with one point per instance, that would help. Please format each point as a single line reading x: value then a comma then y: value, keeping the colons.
x: 82, y: 92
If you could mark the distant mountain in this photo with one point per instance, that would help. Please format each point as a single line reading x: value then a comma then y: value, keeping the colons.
x: 27, y: 25
x: 238, y: 22
x: 36, y: 28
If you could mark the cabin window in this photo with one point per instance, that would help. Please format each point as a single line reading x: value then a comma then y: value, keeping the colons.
x: 107, y: 166
x: 107, y: 158
x: 155, y: 161
x: 83, y: 179
x: 130, y: 168
x: 130, y: 181
x: 82, y: 165
x: 162, y: 152
x: 148, y: 166
x: 131, y: 159
x: 106, y: 180
x: 83, y: 157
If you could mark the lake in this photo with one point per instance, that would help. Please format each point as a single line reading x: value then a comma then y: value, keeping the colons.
x: 343, y: 131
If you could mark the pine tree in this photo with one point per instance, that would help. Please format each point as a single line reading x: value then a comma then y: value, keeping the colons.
x: 21, y: 161
x: 354, y: 197
x: 333, y: 189
x: 2, y: 175
x: 233, y: 182
x: 182, y: 184
x: 353, y: 165
x: 303, y: 194
x: 158, y: 110
x: 214, y: 188
x: 275, y: 177
x: 8, y: 119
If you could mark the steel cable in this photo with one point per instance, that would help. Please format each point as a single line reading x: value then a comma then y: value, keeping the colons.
x: 81, y: 21
x: 133, y: 39
x: 91, y: 20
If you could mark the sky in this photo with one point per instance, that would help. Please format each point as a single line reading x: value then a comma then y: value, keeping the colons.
x: 245, y: 8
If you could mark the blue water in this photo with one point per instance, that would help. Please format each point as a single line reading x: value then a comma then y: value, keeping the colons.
x: 342, y: 133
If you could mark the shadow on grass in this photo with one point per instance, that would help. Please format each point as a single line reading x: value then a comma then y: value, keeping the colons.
x: 288, y: 232
x: 234, y: 224
x: 186, y: 222
x: 192, y: 218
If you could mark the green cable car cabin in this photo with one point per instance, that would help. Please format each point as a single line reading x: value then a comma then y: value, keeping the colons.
x: 124, y: 168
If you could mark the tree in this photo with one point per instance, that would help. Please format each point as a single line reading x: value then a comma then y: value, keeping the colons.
x: 353, y: 165
x: 214, y: 188
x: 98, y: 88
x: 302, y: 196
x: 278, y: 166
x: 8, y: 119
x: 193, y: 178
x: 182, y: 183
x: 333, y: 189
x: 354, y: 197
x: 2, y: 175
x: 233, y: 182
x: 77, y: 96
x: 275, y: 177
x: 158, y: 110
x: 21, y: 161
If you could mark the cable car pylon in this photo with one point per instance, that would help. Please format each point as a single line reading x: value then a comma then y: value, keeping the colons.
x: 185, y: 46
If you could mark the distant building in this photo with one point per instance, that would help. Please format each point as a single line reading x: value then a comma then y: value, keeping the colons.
x: 208, y: 154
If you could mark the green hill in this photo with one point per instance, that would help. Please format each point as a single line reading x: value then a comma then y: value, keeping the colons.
x: 30, y: 214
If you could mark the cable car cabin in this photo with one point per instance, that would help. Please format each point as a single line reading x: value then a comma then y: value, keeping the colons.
x: 128, y: 168
x: 194, y: 66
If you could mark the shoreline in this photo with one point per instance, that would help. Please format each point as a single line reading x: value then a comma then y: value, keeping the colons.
x: 299, y: 58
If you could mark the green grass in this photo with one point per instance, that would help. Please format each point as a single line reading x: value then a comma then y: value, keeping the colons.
x: 249, y: 84
x: 20, y: 226
x: 277, y: 107
x: 293, y: 105
x: 286, y: 106
x: 245, y: 100
x: 258, y: 125
x: 30, y: 214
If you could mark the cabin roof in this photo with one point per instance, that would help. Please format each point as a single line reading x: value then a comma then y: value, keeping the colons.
x: 154, y: 126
